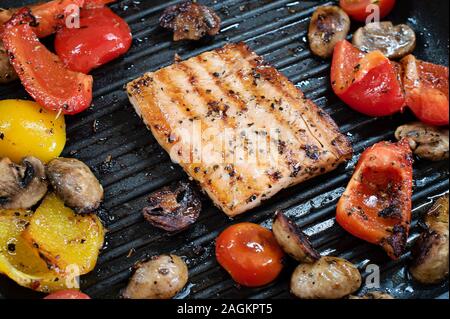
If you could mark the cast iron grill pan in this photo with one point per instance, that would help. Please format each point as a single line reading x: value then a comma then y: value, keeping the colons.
x: 112, y: 140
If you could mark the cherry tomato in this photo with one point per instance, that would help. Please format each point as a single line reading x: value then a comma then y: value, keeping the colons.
x: 376, y: 206
x: 250, y: 254
x: 102, y: 37
x: 369, y: 83
x: 426, y: 87
x: 68, y: 294
x: 41, y: 72
x: 357, y: 9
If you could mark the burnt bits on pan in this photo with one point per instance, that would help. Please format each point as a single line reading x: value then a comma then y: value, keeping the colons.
x: 190, y: 21
x: 174, y: 207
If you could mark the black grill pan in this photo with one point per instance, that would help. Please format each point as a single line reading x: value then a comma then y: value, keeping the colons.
x: 112, y: 140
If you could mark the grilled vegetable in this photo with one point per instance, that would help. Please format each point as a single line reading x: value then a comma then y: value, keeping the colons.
x: 173, y: 208
x: 190, y: 21
x: 21, y: 186
x: 7, y: 72
x: 426, y: 141
x: 48, y: 15
x: 65, y: 239
x: 327, y: 278
x: 26, y: 129
x: 102, y: 37
x: 373, y: 295
x: 358, y: 9
x: 162, y: 277
x: 329, y: 25
x: 43, y: 75
x: 292, y: 240
x: 376, y: 206
x: 250, y: 254
x: 19, y: 260
x: 430, y: 252
x: 394, y: 42
x: 368, y: 83
x: 75, y: 184
x: 426, y: 87
x: 67, y: 294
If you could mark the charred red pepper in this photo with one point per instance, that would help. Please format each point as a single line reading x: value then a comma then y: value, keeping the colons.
x: 426, y: 87
x: 376, y: 206
x: 43, y: 75
x: 369, y: 83
x: 102, y: 37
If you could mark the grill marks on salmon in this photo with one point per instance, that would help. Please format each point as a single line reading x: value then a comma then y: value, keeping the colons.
x: 233, y: 90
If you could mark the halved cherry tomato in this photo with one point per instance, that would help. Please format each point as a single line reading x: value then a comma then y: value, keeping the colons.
x: 376, y: 206
x: 101, y: 38
x: 67, y: 294
x: 42, y: 73
x: 250, y: 254
x: 426, y: 87
x: 368, y: 83
x: 358, y: 9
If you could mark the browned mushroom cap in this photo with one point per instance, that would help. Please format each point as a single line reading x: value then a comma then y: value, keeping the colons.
x: 173, y: 208
x: 21, y: 186
x: 162, y: 277
x: 428, y: 142
x: 190, y: 21
x: 75, y: 184
x: 7, y: 72
x: 292, y: 240
x: 394, y: 42
x: 431, y: 250
x: 328, y: 26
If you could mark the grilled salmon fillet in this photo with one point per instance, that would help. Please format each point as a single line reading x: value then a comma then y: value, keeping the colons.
x: 237, y: 126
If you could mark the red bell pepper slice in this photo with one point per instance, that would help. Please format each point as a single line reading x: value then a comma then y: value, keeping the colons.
x: 102, y: 37
x: 426, y: 87
x: 376, y: 206
x: 43, y: 75
x: 368, y: 83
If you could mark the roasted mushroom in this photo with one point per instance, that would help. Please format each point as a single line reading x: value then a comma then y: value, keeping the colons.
x: 394, y: 42
x: 190, y: 21
x: 327, y: 278
x: 7, y: 72
x: 174, y: 207
x: 426, y: 141
x: 292, y: 240
x: 162, y: 277
x: 373, y: 295
x: 430, y: 252
x: 21, y: 186
x: 75, y: 184
x: 329, y: 25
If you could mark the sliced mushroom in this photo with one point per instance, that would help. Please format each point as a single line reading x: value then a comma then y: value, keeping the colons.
x: 292, y: 240
x: 328, y: 26
x: 21, y: 186
x: 160, y: 278
x: 431, y: 250
x: 7, y: 72
x: 174, y: 207
x: 394, y: 42
x: 327, y: 278
x: 75, y: 184
x: 373, y: 295
x: 426, y: 141
x: 190, y: 21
